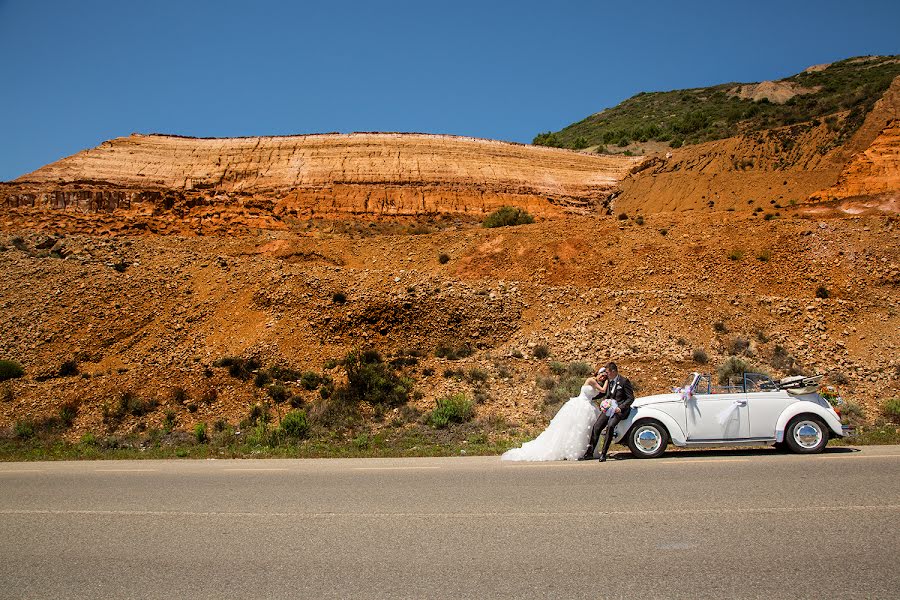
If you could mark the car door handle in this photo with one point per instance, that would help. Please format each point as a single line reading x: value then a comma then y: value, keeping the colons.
x: 741, y: 402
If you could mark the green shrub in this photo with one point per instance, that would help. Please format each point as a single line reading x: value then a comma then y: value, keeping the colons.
x: 733, y: 369
x: 277, y: 392
x: 451, y: 409
x: 200, y: 433
x: 453, y: 353
x: 294, y: 425
x: 476, y: 375
x: 370, y: 379
x: 68, y: 412
x: 10, y: 369
x: 853, y: 412
x: 259, y: 414
x: 507, y: 216
x: 24, y: 429
x: 557, y: 368
x: 310, y: 380
x: 282, y: 373
x: 262, y: 379
x: 738, y: 345
x: 239, y: 368
x: 541, y: 351
x: 68, y: 368
x: 169, y: 421
x: 891, y: 409
x: 129, y: 403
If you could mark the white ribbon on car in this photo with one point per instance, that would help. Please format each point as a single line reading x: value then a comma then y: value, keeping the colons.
x: 686, y: 393
x: 729, y: 412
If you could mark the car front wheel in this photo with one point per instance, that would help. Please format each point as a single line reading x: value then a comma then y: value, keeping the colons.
x: 806, y: 435
x: 648, y: 439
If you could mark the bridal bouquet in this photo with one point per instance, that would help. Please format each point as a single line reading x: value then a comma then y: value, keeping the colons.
x: 609, y: 406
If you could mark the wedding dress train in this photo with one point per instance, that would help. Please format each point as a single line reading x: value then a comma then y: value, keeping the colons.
x: 567, y: 435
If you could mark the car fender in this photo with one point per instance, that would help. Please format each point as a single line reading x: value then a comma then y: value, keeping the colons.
x: 805, y: 406
x: 676, y: 434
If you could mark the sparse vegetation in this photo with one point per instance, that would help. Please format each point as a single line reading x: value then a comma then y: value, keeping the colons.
x: 700, y: 356
x: 239, y: 368
x: 453, y: 352
x: 704, y: 114
x: 339, y: 297
x: 764, y: 255
x: 822, y: 292
x: 735, y: 254
x: 719, y: 327
x: 444, y: 258
x: 507, y: 216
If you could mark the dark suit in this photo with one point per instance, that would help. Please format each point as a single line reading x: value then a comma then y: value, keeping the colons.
x: 621, y: 391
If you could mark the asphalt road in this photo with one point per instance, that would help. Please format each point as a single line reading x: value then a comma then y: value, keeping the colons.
x: 713, y: 524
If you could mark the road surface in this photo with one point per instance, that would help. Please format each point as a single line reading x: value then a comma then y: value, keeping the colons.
x: 714, y: 524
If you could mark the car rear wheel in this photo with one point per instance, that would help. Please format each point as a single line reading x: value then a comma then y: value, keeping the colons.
x: 806, y: 435
x: 648, y: 439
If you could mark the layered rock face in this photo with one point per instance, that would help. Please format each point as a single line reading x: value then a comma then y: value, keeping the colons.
x: 874, y: 172
x: 268, y: 178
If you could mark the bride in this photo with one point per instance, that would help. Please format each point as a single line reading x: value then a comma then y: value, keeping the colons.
x: 568, y: 434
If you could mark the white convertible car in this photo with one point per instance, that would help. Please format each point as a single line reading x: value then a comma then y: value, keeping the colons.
x: 788, y: 413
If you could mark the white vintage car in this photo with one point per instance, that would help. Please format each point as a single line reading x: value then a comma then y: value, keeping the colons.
x: 788, y: 413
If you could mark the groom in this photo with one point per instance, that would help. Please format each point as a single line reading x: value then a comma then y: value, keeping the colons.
x: 621, y: 391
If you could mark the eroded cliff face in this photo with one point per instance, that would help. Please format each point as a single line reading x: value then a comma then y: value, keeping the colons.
x: 257, y: 182
x: 874, y: 173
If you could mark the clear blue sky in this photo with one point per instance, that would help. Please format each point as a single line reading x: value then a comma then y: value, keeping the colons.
x: 77, y: 73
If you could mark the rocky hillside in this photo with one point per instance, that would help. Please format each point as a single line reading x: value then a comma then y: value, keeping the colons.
x: 94, y: 319
x: 848, y: 88
x: 171, y: 184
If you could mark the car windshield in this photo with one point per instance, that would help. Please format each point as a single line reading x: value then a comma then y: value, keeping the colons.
x: 689, y: 382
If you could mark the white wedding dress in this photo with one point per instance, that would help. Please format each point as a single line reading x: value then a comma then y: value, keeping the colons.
x: 567, y: 435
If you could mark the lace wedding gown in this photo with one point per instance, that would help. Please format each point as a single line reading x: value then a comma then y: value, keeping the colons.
x: 567, y: 435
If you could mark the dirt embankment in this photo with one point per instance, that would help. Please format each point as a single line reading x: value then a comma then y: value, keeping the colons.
x: 151, y: 314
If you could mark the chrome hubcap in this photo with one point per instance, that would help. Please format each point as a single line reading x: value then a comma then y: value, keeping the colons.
x: 808, y: 434
x: 648, y: 439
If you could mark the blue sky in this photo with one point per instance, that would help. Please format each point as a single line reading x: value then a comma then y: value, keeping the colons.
x: 77, y: 73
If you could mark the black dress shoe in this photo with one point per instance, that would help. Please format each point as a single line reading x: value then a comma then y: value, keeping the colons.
x: 602, y: 458
x: 587, y: 457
